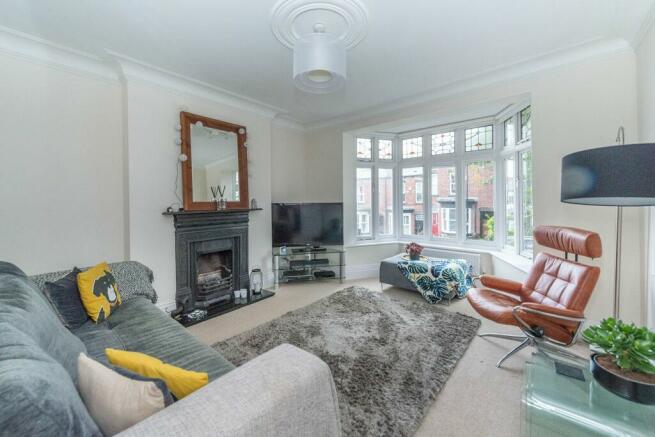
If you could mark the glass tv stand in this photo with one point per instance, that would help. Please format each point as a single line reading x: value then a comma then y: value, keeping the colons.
x: 308, y: 264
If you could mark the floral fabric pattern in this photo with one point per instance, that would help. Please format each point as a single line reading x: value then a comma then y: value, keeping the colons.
x: 436, y: 278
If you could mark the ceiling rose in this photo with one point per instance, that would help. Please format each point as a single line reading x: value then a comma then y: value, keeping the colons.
x: 319, y: 33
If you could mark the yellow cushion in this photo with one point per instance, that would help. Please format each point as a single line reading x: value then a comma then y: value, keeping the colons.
x: 98, y: 292
x: 179, y: 381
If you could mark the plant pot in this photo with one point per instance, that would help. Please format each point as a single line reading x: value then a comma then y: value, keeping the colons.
x: 415, y: 256
x: 636, y: 391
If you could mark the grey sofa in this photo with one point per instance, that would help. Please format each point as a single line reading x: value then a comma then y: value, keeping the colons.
x: 285, y: 391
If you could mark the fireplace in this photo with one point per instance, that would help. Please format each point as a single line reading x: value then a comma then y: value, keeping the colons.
x: 211, y: 256
x: 214, y: 280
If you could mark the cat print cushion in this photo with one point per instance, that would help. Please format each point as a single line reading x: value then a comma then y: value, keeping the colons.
x: 98, y: 292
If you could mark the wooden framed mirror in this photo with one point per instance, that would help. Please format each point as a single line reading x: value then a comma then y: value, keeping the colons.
x: 216, y: 157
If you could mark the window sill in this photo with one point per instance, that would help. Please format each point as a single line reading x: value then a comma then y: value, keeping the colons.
x: 517, y: 261
x: 520, y: 262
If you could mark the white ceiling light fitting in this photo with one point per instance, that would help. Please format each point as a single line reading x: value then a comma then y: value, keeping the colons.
x: 319, y: 33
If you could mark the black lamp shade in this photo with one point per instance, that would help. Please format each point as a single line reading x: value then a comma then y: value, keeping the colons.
x: 610, y: 176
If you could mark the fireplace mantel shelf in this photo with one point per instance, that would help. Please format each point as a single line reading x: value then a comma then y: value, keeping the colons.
x: 221, y: 211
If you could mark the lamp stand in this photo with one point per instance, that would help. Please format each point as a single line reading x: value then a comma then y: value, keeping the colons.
x: 620, y: 138
x: 617, y: 264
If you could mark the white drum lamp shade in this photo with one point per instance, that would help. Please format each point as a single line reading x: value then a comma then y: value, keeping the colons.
x: 319, y: 63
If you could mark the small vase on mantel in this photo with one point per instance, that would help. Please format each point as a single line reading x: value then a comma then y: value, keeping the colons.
x: 218, y: 197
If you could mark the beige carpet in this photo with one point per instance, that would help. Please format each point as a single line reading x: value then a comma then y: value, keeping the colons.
x: 478, y: 399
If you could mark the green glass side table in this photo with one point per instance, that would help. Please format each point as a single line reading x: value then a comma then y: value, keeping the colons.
x: 558, y: 405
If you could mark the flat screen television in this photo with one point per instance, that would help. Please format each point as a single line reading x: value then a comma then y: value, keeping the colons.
x: 299, y: 224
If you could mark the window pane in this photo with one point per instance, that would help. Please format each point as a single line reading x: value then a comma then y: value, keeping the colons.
x: 364, y: 198
x: 526, y: 123
x: 479, y: 138
x: 385, y: 149
x: 443, y: 143
x: 413, y: 211
x: 444, y: 205
x: 510, y: 201
x: 510, y: 132
x: 526, y: 194
x: 480, y: 200
x: 364, y: 148
x: 385, y: 201
x: 413, y: 148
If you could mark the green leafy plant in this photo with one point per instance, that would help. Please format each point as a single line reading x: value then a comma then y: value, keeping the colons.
x: 633, y: 348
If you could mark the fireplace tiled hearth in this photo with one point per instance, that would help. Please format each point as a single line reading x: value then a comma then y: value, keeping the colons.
x: 211, y: 258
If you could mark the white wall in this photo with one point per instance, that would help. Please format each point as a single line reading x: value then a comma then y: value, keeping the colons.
x: 152, y: 113
x: 288, y: 176
x: 62, y: 175
x: 89, y: 165
x: 646, y: 100
x: 576, y: 106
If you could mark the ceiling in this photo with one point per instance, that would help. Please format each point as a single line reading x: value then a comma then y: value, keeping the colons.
x: 412, y: 46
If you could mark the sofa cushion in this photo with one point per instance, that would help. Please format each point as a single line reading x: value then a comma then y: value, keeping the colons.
x: 99, y: 292
x: 97, y: 338
x: 140, y: 326
x: 23, y: 306
x: 115, y: 401
x: 180, y: 382
x: 37, y: 395
x: 133, y: 279
x: 65, y: 297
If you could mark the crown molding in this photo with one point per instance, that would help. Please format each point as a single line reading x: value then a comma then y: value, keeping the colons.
x: 115, y: 67
x: 38, y: 50
x: 646, y: 26
x: 288, y: 122
x: 132, y: 69
x: 572, y: 55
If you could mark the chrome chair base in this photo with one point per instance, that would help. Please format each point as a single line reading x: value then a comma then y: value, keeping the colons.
x: 524, y: 340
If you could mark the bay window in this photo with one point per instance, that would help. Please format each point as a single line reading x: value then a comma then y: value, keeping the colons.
x: 385, y: 201
x: 412, y: 184
x: 444, y: 222
x: 480, y: 222
x: 526, y: 201
x: 510, y: 201
x: 364, y: 201
x: 464, y: 183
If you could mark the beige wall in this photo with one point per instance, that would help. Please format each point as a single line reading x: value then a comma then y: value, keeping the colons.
x: 62, y: 175
x: 574, y: 107
x: 152, y: 113
x: 89, y: 165
x: 288, y: 155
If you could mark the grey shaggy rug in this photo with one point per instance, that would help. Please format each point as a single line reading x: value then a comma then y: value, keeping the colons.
x: 389, y: 358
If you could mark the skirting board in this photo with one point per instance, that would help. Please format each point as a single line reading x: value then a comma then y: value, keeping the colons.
x: 363, y: 271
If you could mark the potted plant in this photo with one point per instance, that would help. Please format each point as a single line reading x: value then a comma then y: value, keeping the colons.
x: 414, y: 251
x: 627, y: 366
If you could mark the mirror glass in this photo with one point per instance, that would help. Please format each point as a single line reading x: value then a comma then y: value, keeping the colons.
x: 214, y: 163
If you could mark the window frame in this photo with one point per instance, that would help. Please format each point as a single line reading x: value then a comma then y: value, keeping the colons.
x: 411, y: 163
x: 514, y: 152
x: 375, y: 164
x: 459, y: 160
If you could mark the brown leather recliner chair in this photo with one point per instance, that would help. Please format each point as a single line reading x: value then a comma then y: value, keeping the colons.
x: 549, y: 306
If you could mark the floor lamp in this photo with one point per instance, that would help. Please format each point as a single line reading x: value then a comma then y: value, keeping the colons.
x: 620, y: 176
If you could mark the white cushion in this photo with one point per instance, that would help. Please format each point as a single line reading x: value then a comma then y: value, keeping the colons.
x: 114, y: 401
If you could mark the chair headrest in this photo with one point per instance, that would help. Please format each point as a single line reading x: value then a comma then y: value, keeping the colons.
x: 570, y: 240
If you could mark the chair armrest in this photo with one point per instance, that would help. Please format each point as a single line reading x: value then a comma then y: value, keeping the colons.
x: 501, y: 284
x: 285, y: 391
x: 551, y: 311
